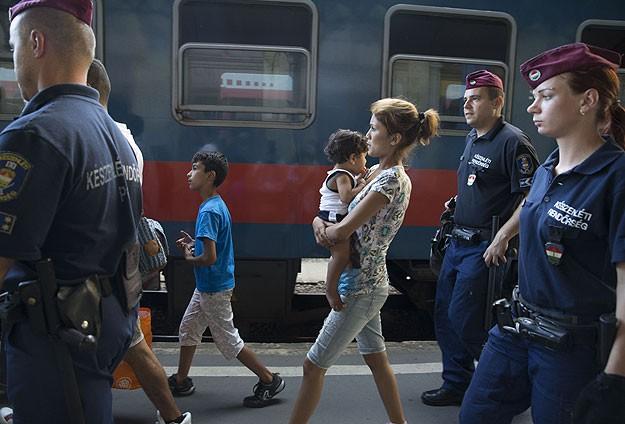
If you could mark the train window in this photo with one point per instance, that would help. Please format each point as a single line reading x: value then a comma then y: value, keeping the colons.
x: 11, y: 103
x: 438, y: 83
x: 245, y: 62
x: 424, y: 59
x: 606, y: 34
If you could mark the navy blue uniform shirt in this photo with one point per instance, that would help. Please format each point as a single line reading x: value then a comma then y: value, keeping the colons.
x: 495, y: 170
x: 585, y: 208
x: 69, y: 184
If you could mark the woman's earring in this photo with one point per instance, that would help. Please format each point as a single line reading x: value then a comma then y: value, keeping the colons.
x: 581, y: 111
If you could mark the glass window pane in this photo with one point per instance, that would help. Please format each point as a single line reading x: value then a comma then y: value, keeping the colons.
x: 608, y: 37
x: 436, y: 84
x: 246, y: 84
x: 245, y: 22
x: 11, y: 102
x: 489, y: 37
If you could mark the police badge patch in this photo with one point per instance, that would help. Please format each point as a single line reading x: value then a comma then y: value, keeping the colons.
x: 525, y: 164
x: 13, y: 172
x: 6, y: 223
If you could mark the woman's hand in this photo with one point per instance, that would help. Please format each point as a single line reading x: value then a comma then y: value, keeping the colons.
x: 319, y: 229
x: 334, y: 300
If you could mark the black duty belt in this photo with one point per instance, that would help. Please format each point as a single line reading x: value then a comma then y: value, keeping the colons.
x: 470, y: 234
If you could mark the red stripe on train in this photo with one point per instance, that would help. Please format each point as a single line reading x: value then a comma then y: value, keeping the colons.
x: 277, y: 194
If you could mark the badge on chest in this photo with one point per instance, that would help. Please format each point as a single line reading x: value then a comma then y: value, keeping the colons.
x: 471, y: 179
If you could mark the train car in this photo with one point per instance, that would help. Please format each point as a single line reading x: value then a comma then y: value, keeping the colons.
x: 266, y: 82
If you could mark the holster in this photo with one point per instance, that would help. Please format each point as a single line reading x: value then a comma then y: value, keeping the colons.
x: 79, y: 306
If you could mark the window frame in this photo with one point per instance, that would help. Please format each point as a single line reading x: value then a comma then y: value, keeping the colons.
x: 602, y: 23
x: 445, y: 59
x: 597, y: 22
x: 245, y: 109
x: 450, y: 11
x: 311, y: 80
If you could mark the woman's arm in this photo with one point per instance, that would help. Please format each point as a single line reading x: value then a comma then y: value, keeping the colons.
x: 367, y: 208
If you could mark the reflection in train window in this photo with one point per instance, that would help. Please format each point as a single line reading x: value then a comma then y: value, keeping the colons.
x: 439, y: 83
x: 426, y: 62
x: 11, y: 103
x: 245, y: 63
x: 606, y: 34
x: 220, y: 81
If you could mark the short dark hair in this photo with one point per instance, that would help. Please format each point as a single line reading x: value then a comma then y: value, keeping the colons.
x: 213, y: 161
x: 343, y: 143
x: 98, y: 78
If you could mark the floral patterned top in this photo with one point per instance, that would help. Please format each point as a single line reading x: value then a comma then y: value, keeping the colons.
x: 375, y: 236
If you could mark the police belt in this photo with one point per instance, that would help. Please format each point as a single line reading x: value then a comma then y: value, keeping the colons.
x: 581, y: 330
x: 472, y: 235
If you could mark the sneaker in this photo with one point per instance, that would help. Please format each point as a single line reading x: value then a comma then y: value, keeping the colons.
x: 186, y: 388
x: 264, y: 393
x: 186, y: 415
x: 6, y: 415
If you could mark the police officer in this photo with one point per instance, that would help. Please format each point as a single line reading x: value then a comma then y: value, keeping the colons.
x: 495, y: 172
x: 69, y: 191
x: 572, y: 257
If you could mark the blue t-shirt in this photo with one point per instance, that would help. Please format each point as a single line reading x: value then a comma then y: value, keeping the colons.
x: 69, y: 185
x: 581, y: 210
x: 214, y: 223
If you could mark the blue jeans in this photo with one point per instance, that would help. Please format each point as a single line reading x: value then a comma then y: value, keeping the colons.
x: 514, y: 374
x: 360, y: 319
x: 459, y: 311
x: 35, y: 383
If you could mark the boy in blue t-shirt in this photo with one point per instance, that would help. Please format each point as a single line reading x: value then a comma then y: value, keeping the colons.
x: 212, y: 256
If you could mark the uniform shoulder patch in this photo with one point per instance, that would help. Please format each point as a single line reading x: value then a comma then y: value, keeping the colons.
x: 524, y: 164
x: 13, y: 172
x: 7, y: 222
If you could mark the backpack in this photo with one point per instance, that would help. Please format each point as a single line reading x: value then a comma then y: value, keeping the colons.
x: 154, y: 247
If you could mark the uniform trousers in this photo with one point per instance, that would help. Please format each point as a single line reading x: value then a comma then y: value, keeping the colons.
x: 514, y: 374
x: 35, y: 382
x: 459, y: 311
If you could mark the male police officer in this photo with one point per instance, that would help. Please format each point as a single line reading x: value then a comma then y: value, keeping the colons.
x: 69, y: 191
x: 495, y: 171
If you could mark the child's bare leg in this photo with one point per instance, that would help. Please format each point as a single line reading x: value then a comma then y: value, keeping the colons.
x: 387, y: 385
x: 336, y: 265
x: 309, y: 393
x: 184, y: 362
x: 251, y: 361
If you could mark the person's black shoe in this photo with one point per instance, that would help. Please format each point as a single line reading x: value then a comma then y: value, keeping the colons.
x: 442, y: 397
x: 186, y: 388
x: 264, y: 393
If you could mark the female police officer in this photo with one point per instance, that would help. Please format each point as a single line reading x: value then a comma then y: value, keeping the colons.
x: 572, y: 256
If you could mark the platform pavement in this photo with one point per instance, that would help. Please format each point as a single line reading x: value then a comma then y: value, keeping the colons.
x: 349, y: 396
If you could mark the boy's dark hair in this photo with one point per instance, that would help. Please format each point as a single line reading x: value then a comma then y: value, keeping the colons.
x: 343, y: 143
x: 213, y: 161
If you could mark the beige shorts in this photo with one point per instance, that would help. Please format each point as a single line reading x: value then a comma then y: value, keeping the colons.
x: 212, y: 310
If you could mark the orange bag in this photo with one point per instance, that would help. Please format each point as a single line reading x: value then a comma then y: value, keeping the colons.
x: 124, y: 377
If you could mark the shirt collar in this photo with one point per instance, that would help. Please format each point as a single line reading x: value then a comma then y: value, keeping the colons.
x: 601, y: 158
x: 492, y: 133
x: 47, y: 94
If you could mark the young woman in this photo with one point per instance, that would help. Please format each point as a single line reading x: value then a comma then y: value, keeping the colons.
x: 572, y: 256
x: 375, y: 215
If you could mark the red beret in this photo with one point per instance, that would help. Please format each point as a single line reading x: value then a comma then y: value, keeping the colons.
x: 81, y: 9
x: 570, y: 57
x: 483, y: 78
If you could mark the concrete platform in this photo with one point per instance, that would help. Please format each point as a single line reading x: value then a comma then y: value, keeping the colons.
x: 349, y: 396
